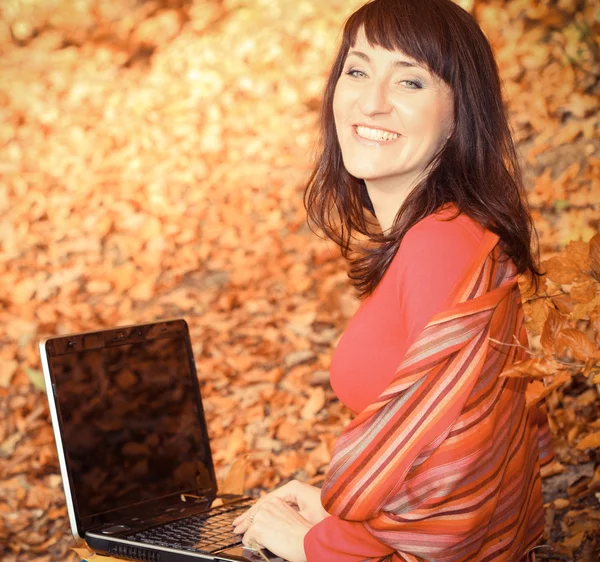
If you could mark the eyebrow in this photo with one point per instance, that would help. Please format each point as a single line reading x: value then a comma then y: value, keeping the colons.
x: 395, y: 64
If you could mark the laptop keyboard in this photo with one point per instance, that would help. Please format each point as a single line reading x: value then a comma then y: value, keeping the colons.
x: 209, y: 532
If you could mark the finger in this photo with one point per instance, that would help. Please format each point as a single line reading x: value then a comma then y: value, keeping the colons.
x: 242, y: 527
x: 247, y: 514
x: 244, y: 524
x: 249, y: 541
x: 285, y: 492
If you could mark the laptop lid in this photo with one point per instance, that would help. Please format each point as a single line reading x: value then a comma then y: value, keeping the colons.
x: 128, y: 421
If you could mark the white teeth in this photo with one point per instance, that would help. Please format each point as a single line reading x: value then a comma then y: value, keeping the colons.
x: 375, y: 134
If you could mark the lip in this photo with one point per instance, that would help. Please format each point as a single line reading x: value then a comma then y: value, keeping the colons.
x: 370, y: 142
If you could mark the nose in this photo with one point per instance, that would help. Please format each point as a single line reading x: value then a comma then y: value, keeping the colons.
x: 375, y: 98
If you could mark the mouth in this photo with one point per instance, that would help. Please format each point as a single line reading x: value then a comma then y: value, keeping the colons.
x: 378, y: 135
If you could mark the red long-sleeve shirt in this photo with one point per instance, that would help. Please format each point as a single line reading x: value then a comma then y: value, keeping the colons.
x: 431, y: 260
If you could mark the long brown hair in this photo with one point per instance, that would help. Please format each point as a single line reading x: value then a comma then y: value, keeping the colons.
x: 477, y: 169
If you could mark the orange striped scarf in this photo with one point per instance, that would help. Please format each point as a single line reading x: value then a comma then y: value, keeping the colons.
x: 445, y: 465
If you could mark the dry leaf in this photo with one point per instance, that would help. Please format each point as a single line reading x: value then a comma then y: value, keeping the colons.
x: 234, y: 482
x: 577, y: 342
x: 591, y: 441
x: 8, y: 367
x: 595, y: 256
x: 143, y: 178
x: 561, y: 269
x: 314, y: 404
x: 555, y: 322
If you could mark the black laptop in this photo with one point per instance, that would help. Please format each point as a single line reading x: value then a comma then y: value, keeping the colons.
x: 133, y: 446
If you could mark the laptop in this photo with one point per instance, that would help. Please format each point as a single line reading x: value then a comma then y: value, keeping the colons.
x: 133, y: 446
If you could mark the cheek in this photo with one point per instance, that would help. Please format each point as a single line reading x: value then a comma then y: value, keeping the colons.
x: 439, y: 122
x: 446, y: 115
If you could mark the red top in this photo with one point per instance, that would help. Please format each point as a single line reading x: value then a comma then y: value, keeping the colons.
x: 431, y: 260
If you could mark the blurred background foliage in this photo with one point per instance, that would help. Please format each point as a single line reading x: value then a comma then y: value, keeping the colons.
x: 153, y: 157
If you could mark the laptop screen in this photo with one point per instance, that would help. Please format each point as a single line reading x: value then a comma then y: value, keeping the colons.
x: 132, y: 425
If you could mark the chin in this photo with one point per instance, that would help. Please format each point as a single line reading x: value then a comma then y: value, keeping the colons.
x: 366, y: 175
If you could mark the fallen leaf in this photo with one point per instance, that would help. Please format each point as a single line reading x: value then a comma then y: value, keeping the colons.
x: 8, y: 367
x: 314, y: 404
x: 36, y: 377
x: 591, y: 441
x: 234, y: 482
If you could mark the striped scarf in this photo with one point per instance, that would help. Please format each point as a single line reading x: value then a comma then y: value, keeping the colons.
x: 445, y: 464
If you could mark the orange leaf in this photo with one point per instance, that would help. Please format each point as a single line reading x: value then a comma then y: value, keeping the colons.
x: 579, y: 252
x: 591, y: 441
x: 582, y: 311
x: 536, y: 367
x: 585, y: 291
x: 314, y: 404
x: 595, y: 325
x: 561, y: 269
x: 595, y: 256
x: 552, y: 327
x: 536, y: 391
x: 234, y: 482
x: 577, y: 342
x: 536, y: 313
x: 564, y: 303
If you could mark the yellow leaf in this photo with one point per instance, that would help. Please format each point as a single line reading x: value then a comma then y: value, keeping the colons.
x: 586, y: 291
x: 8, y: 368
x: 536, y: 390
x: 553, y: 325
x: 536, y: 313
x: 595, y: 256
x: 535, y: 367
x: 561, y: 269
x: 591, y: 441
x: 314, y: 403
x: 564, y: 304
x: 576, y: 341
x: 234, y: 482
x: 574, y: 542
x: 582, y: 311
x: 552, y: 469
x: 579, y: 252
x: 561, y: 503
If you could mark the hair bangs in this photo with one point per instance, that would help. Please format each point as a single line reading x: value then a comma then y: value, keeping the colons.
x: 417, y: 31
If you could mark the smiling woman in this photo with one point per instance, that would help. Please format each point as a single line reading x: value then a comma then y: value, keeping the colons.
x: 442, y: 459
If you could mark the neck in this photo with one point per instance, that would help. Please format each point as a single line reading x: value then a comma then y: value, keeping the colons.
x: 387, y: 196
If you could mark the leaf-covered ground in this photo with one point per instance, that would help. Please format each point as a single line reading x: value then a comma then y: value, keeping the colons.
x: 152, y: 161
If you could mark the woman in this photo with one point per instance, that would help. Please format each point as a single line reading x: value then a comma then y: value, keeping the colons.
x: 442, y: 461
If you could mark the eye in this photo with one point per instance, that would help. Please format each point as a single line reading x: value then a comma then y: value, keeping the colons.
x: 355, y: 73
x: 413, y: 84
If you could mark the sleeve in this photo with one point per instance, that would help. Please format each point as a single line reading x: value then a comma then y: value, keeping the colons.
x: 336, y: 540
x: 435, y: 255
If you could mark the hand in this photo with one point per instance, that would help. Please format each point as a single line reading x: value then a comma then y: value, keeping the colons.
x: 278, y: 527
x: 306, y: 499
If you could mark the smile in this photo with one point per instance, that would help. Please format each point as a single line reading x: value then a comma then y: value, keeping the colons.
x: 375, y: 134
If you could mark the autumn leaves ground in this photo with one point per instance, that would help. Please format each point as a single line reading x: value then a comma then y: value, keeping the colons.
x: 153, y: 160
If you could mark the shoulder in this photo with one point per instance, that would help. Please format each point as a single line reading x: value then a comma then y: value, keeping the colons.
x: 433, y: 257
x: 436, y: 234
x: 437, y: 249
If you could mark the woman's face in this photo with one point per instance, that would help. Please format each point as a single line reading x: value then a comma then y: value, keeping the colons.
x: 391, y: 115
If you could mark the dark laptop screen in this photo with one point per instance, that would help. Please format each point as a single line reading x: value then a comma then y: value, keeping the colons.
x: 129, y: 408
